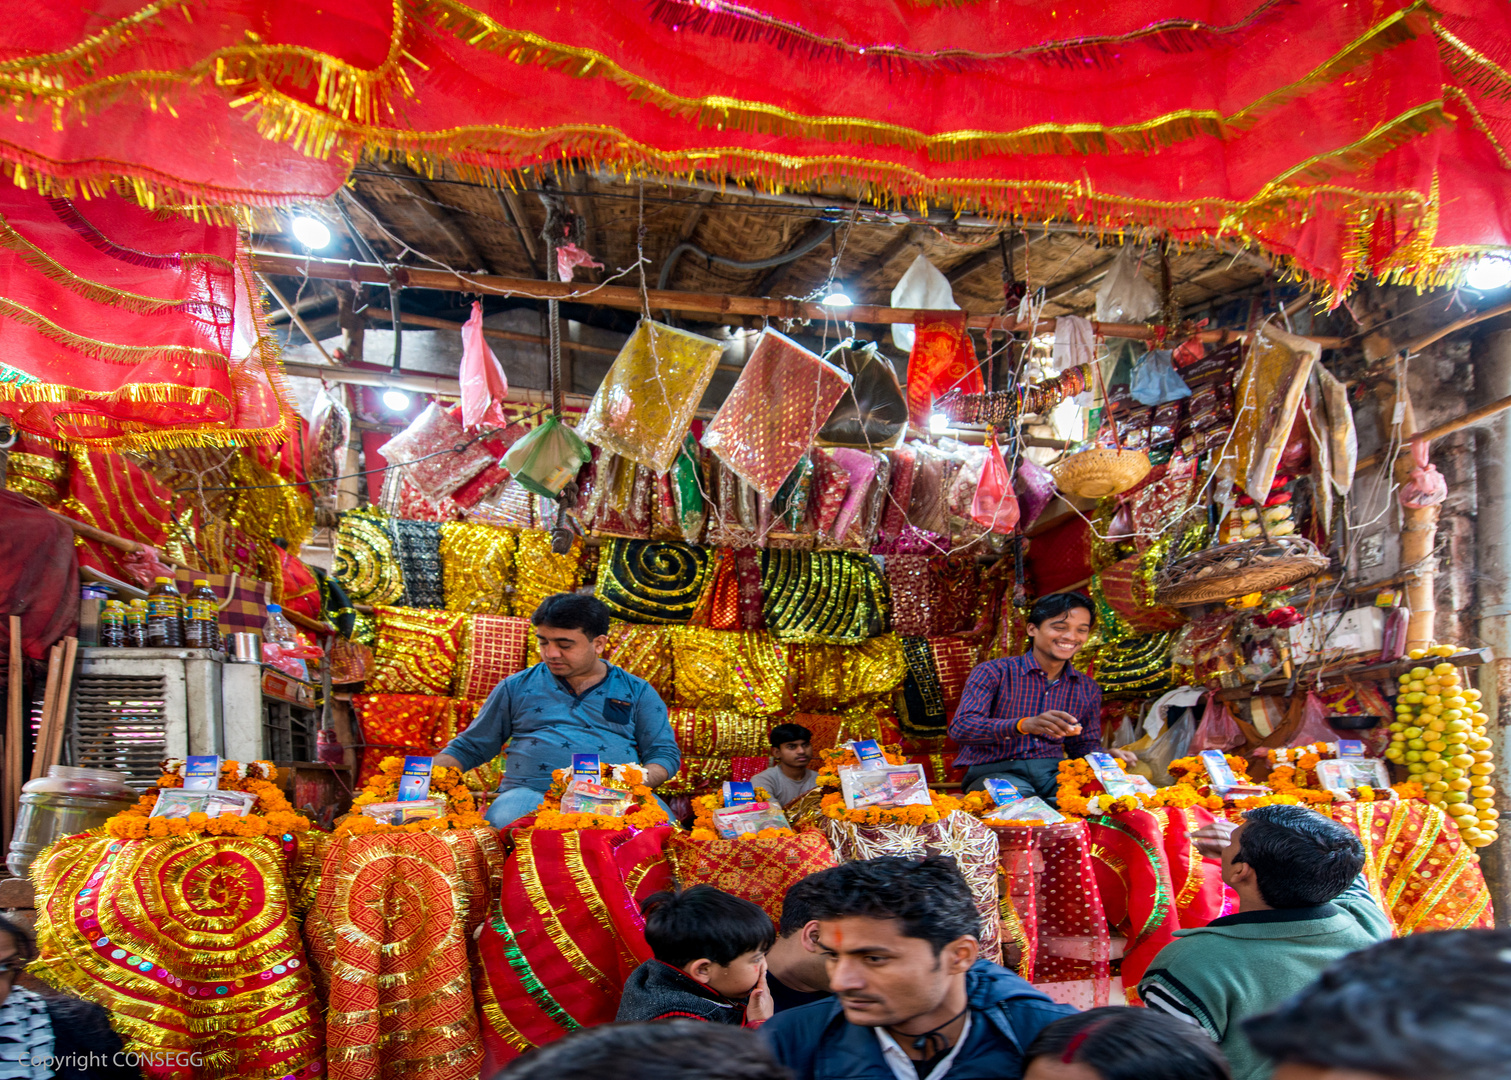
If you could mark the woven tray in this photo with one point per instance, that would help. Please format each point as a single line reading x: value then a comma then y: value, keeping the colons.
x: 1232, y: 570
x: 1100, y: 471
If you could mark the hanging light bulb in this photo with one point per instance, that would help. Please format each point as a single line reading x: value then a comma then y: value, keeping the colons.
x: 395, y: 400
x: 837, y: 297
x: 311, y: 232
x: 1489, y: 273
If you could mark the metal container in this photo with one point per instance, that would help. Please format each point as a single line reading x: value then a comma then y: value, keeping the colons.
x: 244, y: 648
x: 64, y: 802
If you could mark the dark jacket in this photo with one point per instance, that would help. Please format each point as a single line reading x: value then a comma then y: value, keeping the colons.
x: 817, y: 1043
x: 658, y: 991
x: 85, y: 1043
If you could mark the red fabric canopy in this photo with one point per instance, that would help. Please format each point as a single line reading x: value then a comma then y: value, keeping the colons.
x: 1343, y: 137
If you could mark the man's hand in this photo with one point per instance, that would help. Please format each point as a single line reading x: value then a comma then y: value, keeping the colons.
x: 656, y: 775
x: 1212, y: 839
x: 445, y: 761
x: 759, y: 1007
x: 1127, y: 757
x: 1053, y: 724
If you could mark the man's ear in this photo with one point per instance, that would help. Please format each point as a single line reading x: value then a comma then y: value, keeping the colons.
x: 699, y: 970
x: 808, y: 935
x: 961, y: 953
x: 600, y: 644
x: 1237, y: 874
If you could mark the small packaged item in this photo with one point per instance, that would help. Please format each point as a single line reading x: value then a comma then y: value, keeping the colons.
x: 870, y: 753
x: 750, y: 817
x: 886, y: 786
x: 587, y: 767
x: 181, y: 802
x: 414, y: 785
x: 1340, y: 774
x: 1002, y: 790
x: 1219, y: 772
x: 202, y: 772
x: 737, y: 792
x: 403, y: 812
x: 1032, y: 808
x: 587, y: 797
x: 1350, y: 748
x: 1109, y: 770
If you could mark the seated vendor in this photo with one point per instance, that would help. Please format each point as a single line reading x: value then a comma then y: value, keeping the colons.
x: 1021, y: 716
x: 572, y: 702
x: 790, y: 778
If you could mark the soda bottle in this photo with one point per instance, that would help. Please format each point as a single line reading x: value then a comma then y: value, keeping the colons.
x: 165, y: 615
x: 201, y: 617
x: 136, y: 625
x: 113, y: 625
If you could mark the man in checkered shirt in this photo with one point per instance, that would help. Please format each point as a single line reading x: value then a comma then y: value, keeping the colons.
x: 1019, y: 717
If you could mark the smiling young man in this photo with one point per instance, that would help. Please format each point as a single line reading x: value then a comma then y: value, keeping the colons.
x: 572, y: 702
x: 1021, y: 716
x: 912, y: 999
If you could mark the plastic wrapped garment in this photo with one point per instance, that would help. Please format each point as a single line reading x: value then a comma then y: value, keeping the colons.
x: 646, y: 402
x: 547, y: 459
x: 422, y: 448
x: 1155, y: 380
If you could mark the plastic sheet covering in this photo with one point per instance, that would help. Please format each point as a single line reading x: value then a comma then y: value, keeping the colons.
x: 437, y: 455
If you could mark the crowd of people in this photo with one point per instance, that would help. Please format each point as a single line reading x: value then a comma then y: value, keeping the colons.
x: 874, y: 973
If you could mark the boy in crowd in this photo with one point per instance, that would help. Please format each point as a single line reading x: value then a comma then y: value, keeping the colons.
x: 790, y: 778
x: 674, y: 1050
x: 709, y: 963
x: 795, y: 970
x: 1301, y: 907
x: 1424, y: 1007
x: 912, y: 999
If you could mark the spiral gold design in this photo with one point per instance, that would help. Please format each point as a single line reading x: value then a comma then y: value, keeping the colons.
x: 647, y: 581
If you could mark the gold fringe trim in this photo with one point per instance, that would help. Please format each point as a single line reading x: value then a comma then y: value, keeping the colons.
x: 479, y: 30
x: 546, y: 912
x: 109, y: 351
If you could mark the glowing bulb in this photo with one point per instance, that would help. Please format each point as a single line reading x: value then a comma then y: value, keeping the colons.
x: 395, y: 400
x: 939, y: 423
x: 837, y: 298
x: 1489, y: 273
x: 311, y: 233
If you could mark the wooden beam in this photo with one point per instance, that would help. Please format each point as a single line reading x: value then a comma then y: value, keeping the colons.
x: 618, y: 296
x: 296, y: 317
x: 384, y: 315
x: 991, y: 253
x: 514, y: 214
x: 444, y: 219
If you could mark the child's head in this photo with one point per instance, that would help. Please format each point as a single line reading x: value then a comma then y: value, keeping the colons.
x: 717, y: 939
x: 792, y: 745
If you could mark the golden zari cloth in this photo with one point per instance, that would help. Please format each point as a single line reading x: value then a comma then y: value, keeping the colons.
x: 365, y: 563
x: 760, y: 871
x: 417, y: 651
x: 647, y: 400
x: 731, y: 669
x: 477, y: 567
x: 538, y: 573
x: 833, y: 678
x: 834, y: 597
x: 1270, y: 388
x: 719, y: 733
x: 972, y: 845
x: 651, y: 581
x: 391, y: 935
x: 644, y: 651
x: 191, y: 944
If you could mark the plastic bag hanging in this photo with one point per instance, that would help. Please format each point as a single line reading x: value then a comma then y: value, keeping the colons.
x: 1034, y: 486
x: 548, y: 459
x: 1125, y: 295
x: 922, y: 286
x: 995, y: 505
x: 484, y: 386
x: 1155, y: 381
x: 1426, y: 486
x: 1218, y: 730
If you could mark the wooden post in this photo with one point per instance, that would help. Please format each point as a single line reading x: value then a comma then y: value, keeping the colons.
x: 15, y: 728
x: 49, y: 700
x: 1419, y: 532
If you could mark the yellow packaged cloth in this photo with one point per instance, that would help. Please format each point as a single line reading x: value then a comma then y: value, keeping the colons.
x: 825, y: 597
x: 731, y: 669
x: 477, y: 567
x: 645, y: 651
x: 646, y: 402
x: 366, y: 565
x: 538, y: 573
x: 719, y: 733
x: 834, y: 678
x: 651, y: 581
x: 1270, y: 388
x: 417, y: 651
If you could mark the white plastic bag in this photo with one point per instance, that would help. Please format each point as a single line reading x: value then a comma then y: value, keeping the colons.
x: 1125, y: 295
x: 921, y: 286
x: 1073, y: 342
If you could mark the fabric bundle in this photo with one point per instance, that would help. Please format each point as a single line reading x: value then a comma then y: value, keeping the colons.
x: 719, y: 733
x: 644, y: 651
x: 540, y: 573
x: 396, y: 725
x: 416, y: 651
x: 477, y: 567
x: 422, y: 449
x: 418, y: 547
x: 760, y: 871
x: 834, y: 596
x: 942, y: 361
x: 365, y: 563
x: 650, y: 581
x: 744, y: 671
x: 495, y: 649
x: 837, y: 678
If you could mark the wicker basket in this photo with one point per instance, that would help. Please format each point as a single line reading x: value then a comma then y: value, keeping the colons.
x: 1100, y: 471
x: 1232, y: 570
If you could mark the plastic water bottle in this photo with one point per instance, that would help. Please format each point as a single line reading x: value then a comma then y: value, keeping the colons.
x: 277, y: 630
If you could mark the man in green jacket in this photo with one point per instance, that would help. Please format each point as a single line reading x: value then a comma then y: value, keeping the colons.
x: 1302, y: 906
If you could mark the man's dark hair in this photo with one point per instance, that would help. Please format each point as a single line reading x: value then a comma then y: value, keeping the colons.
x: 786, y: 733
x: 1433, y: 1006
x: 1119, y: 1043
x: 1300, y: 858
x: 1056, y: 604
x: 704, y: 923
x: 26, y: 943
x: 802, y: 903
x: 573, y: 611
x: 928, y: 896
x: 671, y: 1049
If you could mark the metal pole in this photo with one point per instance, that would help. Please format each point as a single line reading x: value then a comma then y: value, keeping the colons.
x: 1492, y: 379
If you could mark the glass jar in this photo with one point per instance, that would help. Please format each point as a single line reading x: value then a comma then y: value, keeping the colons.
x: 66, y: 801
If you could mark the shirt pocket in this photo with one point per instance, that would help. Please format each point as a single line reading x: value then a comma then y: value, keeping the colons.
x: 618, y: 714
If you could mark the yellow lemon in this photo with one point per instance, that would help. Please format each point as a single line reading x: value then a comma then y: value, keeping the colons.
x: 1460, y: 784
x: 1413, y: 733
x: 1430, y: 756
x: 1414, y: 762
x: 1461, y: 810
x: 1462, y: 761
x: 1450, y: 773
x: 1455, y: 797
x: 1417, y: 654
x: 1489, y: 813
x: 1415, y: 744
x: 1472, y: 694
x: 1482, y: 768
x: 1431, y: 777
x: 1483, y: 792
x: 1483, y: 755
x: 1483, y: 804
x: 1445, y: 650
x: 1433, y: 785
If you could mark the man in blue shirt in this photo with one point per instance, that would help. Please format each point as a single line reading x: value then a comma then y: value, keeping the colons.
x: 572, y: 702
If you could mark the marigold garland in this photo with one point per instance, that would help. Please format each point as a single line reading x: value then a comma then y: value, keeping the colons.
x: 645, y: 812
x: 271, y: 814
x: 461, y: 807
x: 833, y: 806
x: 703, y: 818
